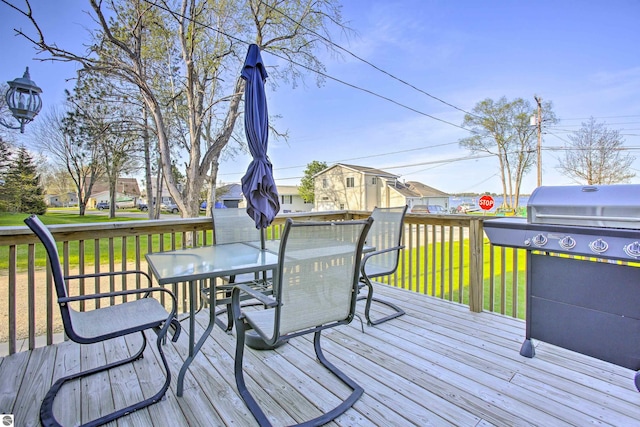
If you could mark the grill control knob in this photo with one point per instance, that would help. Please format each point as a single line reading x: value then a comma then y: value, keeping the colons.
x: 632, y: 249
x: 599, y: 246
x: 567, y: 242
x: 539, y: 240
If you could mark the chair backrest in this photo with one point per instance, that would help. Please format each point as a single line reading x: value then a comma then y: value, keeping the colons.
x: 318, y: 273
x: 385, y: 233
x: 233, y: 225
x: 45, y: 236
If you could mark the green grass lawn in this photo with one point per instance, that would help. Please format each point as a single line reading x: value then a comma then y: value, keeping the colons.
x: 432, y: 279
x: 61, y: 217
x: 10, y: 219
x: 444, y: 283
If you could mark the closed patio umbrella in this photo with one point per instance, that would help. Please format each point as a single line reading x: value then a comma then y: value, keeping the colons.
x: 258, y: 185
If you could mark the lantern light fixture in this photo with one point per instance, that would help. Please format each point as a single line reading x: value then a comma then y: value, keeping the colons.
x: 23, y: 99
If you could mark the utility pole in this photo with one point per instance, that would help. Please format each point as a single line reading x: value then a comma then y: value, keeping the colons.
x: 539, y: 125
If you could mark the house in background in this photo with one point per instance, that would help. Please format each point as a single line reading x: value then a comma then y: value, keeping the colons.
x: 127, y: 192
x: 424, y: 195
x: 290, y: 200
x: 230, y: 195
x: 343, y: 186
x: 61, y: 200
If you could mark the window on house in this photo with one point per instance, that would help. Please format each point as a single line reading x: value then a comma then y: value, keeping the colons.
x: 351, y: 182
x: 325, y: 198
x: 374, y: 180
x: 286, y: 199
x: 325, y: 183
x: 341, y: 206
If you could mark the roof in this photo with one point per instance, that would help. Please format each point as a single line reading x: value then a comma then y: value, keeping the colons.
x: 362, y: 169
x: 424, y: 190
x: 229, y: 192
x: 288, y: 190
x: 128, y: 186
x: 403, y: 189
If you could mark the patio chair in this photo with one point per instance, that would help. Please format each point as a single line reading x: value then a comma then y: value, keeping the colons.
x: 385, y: 235
x: 104, y: 323
x: 315, y: 288
x: 233, y: 225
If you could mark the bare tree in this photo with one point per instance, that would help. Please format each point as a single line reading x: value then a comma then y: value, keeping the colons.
x: 57, y: 181
x: 81, y: 159
x: 102, y: 116
x: 596, y: 155
x: 204, y: 43
x: 501, y: 128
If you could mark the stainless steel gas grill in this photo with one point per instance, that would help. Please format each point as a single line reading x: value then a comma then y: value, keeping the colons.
x: 588, y: 302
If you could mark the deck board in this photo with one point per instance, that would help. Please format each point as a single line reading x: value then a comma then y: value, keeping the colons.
x: 440, y: 365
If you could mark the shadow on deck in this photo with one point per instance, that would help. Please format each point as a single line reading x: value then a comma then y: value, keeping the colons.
x: 438, y: 365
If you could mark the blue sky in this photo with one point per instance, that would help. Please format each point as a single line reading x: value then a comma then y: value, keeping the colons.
x: 581, y: 55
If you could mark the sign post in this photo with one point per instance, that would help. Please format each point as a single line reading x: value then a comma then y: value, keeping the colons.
x: 486, y: 202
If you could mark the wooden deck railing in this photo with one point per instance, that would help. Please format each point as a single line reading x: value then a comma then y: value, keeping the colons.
x: 445, y: 256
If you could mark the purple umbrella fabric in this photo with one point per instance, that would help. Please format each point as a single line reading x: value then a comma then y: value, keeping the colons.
x: 258, y: 185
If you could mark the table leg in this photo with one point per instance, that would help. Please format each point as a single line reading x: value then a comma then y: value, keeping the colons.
x: 192, y: 324
x: 193, y: 350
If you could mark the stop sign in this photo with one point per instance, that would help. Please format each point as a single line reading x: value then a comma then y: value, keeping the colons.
x: 486, y: 202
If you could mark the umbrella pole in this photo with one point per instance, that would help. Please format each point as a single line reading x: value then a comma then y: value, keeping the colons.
x: 263, y: 247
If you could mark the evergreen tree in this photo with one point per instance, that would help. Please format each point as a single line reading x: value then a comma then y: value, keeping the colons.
x: 22, y: 185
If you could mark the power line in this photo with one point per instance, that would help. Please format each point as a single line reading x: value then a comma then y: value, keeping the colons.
x: 367, y: 157
x: 384, y: 168
x: 369, y: 63
x: 603, y: 117
x: 608, y: 124
x: 353, y: 86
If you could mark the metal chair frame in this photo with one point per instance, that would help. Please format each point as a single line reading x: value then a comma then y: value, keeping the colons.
x: 233, y: 225
x: 276, y: 326
x: 386, y: 236
x: 100, y: 325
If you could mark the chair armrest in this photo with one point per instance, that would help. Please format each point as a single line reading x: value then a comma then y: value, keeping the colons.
x: 108, y: 274
x: 121, y: 293
x: 382, y: 251
x: 238, y: 315
x: 363, y: 263
x: 264, y: 299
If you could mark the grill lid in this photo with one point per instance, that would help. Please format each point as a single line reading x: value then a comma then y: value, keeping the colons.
x: 610, y: 206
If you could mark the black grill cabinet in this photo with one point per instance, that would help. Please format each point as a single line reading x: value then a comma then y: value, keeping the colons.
x: 583, y: 269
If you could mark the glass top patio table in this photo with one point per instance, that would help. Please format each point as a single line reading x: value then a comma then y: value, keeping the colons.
x: 207, y: 262
x: 274, y: 246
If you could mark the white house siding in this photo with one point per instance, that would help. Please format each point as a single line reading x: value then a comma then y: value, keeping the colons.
x: 290, y: 200
x: 396, y: 199
x: 371, y: 192
x: 365, y: 193
x: 338, y: 195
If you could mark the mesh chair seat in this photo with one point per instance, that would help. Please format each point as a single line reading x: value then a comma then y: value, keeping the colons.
x: 114, y: 318
x: 315, y: 288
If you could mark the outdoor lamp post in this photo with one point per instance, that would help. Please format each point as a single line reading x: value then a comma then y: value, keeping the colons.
x: 23, y: 99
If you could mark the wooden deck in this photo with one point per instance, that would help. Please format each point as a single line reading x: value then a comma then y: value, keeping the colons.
x: 438, y: 365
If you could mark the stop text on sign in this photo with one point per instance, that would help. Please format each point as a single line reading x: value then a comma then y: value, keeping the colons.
x: 486, y: 202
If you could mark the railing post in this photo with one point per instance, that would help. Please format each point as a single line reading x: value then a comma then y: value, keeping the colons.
x: 476, y: 265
